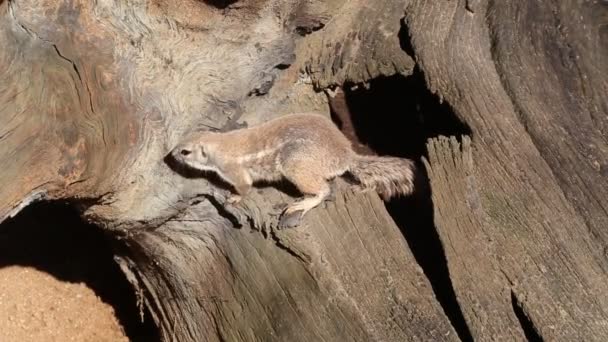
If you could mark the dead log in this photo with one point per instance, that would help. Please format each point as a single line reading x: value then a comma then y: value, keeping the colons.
x: 521, y: 208
x: 94, y: 94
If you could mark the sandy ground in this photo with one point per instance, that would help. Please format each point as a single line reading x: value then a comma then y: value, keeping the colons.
x: 35, y: 306
x: 59, y: 282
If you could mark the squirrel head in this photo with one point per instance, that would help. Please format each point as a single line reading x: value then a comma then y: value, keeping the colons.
x: 194, y: 152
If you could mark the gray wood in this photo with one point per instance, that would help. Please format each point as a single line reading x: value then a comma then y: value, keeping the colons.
x: 92, y: 97
x: 359, y: 43
x: 529, y: 78
x: 94, y: 94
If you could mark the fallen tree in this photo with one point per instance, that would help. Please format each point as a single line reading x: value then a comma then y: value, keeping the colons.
x: 93, y: 95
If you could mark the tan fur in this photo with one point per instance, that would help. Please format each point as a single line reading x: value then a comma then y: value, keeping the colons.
x: 390, y: 176
x: 306, y: 149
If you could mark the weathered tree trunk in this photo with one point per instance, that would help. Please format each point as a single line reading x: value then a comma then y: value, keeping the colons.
x: 522, y: 210
x: 94, y: 94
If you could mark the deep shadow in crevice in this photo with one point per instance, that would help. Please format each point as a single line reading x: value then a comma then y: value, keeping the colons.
x: 221, y: 4
x: 51, y: 237
x: 405, y: 41
x: 526, y: 325
x: 395, y: 116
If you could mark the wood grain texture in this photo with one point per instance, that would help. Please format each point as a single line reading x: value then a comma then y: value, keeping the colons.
x: 60, y: 113
x: 94, y: 94
x: 108, y: 88
x: 482, y: 289
x: 535, y: 213
x: 345, y: 275
x: 359, y: 43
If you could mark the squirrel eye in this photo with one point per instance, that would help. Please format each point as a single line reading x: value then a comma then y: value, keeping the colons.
x: 203, y: 154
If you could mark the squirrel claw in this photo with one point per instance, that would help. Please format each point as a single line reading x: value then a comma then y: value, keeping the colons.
x: 330, y: 198
x: 233, y: 199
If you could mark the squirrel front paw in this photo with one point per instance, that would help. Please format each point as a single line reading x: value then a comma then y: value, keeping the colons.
x: 233, y: 199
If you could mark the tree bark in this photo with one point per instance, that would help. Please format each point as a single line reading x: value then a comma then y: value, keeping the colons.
x: 96, y: 94
x: 93, y: 95
x: 521, y: 208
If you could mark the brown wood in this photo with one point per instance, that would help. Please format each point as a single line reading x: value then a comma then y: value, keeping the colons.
x: 93, y: 95
x: 522, y: 209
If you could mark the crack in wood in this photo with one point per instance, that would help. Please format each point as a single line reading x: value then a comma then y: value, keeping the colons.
x: 530, y: 330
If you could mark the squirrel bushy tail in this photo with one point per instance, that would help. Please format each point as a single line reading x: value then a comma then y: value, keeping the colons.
x: 389, y: 176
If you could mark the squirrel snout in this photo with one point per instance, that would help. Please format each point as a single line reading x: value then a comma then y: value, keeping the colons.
x: 181, y: 151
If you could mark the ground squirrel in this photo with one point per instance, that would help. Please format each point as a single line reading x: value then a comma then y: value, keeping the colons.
x: 306, y: 149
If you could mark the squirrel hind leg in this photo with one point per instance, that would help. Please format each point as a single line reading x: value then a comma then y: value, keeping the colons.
x: 293, y: 214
